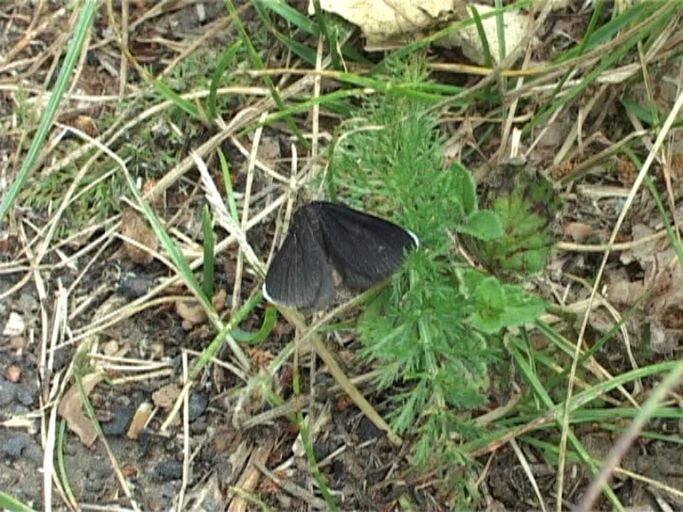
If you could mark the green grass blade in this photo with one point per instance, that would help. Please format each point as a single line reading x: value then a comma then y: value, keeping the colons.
x: 488, y: 58
x: 547, y: 401
x: 330, y: 36
x: 253, y: 338
x: 63, y: 475
x: 290, y: 15
x: 258, y: 64
x: 209, y: 259
x: 186, y: 106
x: 227, y: 58
x: 88, y: 9
x: 10, y: 503
x: 227, y: 181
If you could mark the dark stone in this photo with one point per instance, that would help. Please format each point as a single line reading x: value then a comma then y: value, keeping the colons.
x: 15, y: 445
x: 367, y: 430
x: 338, y: 470
x: 62, y: 357
x: 121, y: 418
x: 169, y: 470
x: 25, y: 396
x: 321, y: 450
x: 198, y: 404
x: 199, y: 426
x: 8, y: 392
x: 34, y: 452
x: 134, y: 286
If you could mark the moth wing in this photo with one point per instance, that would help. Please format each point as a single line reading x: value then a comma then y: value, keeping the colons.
x: 364, y: 249
x: 299, y: 275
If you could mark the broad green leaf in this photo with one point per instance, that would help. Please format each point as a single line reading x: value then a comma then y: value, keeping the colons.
x: 482, y: 224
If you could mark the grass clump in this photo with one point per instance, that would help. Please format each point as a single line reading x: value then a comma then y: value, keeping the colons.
x: 434, y: 331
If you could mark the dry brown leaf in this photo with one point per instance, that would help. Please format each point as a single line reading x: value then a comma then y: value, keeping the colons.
x: 86, y: 124
x: 625, y: 292
x: 193, y: 313
x: 578, y: 231
x: 71, y: 409
x: 387, y: 24
x: 663, y: 279
x: 626, y: 171
x: 262, y: 358
x: 166, y: 396
x: 517, y: 26
x: 135, y: 227
x: 18, y: 343
x: 111, y: 348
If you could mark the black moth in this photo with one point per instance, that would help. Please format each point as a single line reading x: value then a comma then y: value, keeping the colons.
x: 325, y: 237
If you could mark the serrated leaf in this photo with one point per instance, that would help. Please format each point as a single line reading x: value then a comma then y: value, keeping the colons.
x: 490, y: 294
x: 521, y: 307
x: 499, y: 306
x: 482, y: 224
x: 525, y: 206
x: 490, y: 301
x: 467, y: 188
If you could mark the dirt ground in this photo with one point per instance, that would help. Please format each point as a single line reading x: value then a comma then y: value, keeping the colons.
x: 217, y: 452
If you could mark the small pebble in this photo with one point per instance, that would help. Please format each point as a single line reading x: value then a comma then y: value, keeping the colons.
x: 18, y: 343
x: 134, y: 286
x: 169, y: 470
x: 34, y: 453
x: 94, y: 483
x: 13, y: 373
x: 27, y: 301
x: 25, y: 446
x: 14, y: 446
x: 197, y: 405
x: 25, y: 396
x: 110, y: 348
x: 121, y: 417
x: 156, y: 349
x: 8, y: 392
x: 368, y: 430
x: 62, y: 357
x: 321, y: 449
x: 199, y: 426
x: 15, y: 325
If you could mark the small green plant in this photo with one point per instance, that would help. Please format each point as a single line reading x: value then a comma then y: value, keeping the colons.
x: 96, y: 205
x: 526, y: 204
x: 433, y: 332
